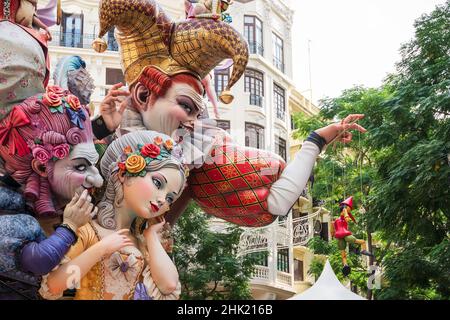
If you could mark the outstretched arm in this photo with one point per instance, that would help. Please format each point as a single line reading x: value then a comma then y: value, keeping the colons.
x: 288, y: 188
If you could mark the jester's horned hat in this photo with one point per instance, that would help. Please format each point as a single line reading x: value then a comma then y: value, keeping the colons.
x: 148, y: 37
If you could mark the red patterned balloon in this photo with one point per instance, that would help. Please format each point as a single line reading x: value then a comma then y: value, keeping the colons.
x: 234, y: 184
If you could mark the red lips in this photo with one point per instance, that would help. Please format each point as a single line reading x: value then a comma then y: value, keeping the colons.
x: 154, y: 207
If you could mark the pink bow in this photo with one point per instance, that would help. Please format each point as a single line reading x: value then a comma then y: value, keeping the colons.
x: 9, y: 135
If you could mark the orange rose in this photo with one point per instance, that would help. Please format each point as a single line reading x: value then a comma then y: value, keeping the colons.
x: 168, y: 144
x: 52, y: 99
x: 56, y: 90
x: 127, y: 150
x: 158, y: 141
x: 73, y: 102
x: 135, y: 164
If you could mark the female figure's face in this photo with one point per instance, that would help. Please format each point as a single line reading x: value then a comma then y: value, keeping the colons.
x: 179, y: 108
x: 77, y: 170
x: 151, y: 196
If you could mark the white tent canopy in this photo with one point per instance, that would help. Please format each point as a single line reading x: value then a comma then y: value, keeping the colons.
x: 327, y: 287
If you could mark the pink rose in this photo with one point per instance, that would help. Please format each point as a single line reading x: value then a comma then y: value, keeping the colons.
x: 41, y: 154
x: 73, y: 102
x: 61, y: 151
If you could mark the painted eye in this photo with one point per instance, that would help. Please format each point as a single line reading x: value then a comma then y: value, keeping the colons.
x: 186, y: 108
x: 157, y: 183
x: 169, y: 200
x: 81, y: 167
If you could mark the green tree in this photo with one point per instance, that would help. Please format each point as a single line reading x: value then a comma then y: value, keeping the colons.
x: 345, y: 171
x: 405, y: 175
x: 208, y: 261
x: 411, y: 202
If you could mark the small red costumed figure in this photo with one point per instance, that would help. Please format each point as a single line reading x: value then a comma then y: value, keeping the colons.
x: 340, y: 231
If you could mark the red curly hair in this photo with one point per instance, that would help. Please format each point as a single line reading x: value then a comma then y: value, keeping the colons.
x: 158, y: 82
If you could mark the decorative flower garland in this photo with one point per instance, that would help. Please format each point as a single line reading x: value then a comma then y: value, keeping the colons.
x: 46, y: 152
x: 55, y: 99
x: 133, y: 164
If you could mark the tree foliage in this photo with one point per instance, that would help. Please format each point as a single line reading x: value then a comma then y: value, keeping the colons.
x: 208, y: 262
x: 404, y: 182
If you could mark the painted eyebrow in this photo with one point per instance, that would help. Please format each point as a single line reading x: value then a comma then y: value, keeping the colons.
x: 87, y: 161
x: 192, y: 101
x: 162, y: 175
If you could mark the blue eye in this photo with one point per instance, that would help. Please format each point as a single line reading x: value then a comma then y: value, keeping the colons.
x: 169, y: 200
x: 157, y: 183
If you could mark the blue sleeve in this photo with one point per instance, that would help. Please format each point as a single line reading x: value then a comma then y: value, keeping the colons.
x: 41, y: 257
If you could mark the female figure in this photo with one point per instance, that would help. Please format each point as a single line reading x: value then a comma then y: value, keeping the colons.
x: 46, y: 143
x: 144, y: 177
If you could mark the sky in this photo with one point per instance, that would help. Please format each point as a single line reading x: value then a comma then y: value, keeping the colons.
x: 352, y: 42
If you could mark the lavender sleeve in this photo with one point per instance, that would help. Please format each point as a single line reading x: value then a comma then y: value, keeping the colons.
x: 43, y: 255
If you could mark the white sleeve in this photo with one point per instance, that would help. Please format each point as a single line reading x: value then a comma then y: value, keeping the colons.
x: 288, y: 188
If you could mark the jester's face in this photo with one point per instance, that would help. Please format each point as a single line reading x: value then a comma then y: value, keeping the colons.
x: 345, y: 213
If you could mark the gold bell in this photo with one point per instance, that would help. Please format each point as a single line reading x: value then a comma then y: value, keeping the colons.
x: 99, y: 45
x: 226, y: 97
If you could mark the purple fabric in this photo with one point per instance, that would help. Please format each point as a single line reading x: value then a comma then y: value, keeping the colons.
x: 140, y: 292
x: 42, y: 256
x: 48, y: 14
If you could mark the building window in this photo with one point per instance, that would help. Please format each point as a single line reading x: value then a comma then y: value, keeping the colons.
x: 253, y: 32
x: 224, y: 125
x: 278, y: 52
x: 71, y: 30
x: 298, y: 270
x: 283, y: 260
x: 254, y: 136
x: 112, y: 43
x: 280, y: 147
x: 113, y: 76
x: 221, y: 78
x: 280, y: 101
x: 262, y: 258
x: 254, y: 84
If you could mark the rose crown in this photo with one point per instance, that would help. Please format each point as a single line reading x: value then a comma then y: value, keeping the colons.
x: 133, y: 164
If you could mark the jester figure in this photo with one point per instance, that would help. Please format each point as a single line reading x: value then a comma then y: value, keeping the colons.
x: 164, y: 63
x: 340, y: 231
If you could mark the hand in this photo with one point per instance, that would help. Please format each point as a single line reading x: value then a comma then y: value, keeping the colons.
x: 155, y: 230
x: 79, y: 210
x: 339, y: 131
x: 115, y: 241
x: 108, y: 108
